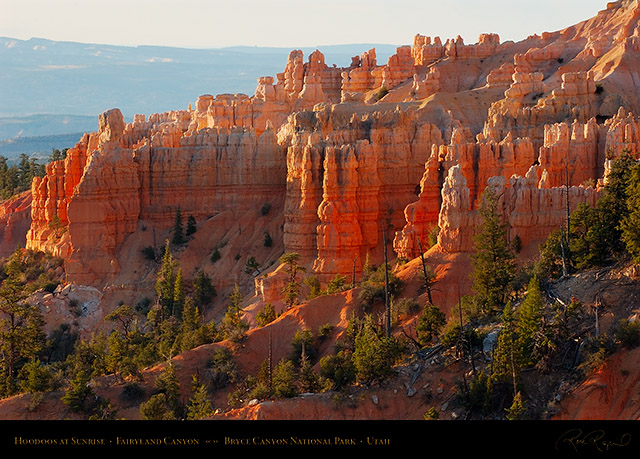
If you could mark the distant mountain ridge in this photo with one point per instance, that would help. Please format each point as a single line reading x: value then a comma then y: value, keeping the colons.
x: 43, y: 76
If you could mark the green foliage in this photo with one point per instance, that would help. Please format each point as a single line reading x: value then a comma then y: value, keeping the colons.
x: 493, y: 260
x: 268, y: 242
x: 303, y: 345
x: 60, y: 343
x: 339, y: 369
x: 266, y: 315
x: 598, y: 234
x: 265, y: 209
x: 314, y: 286
x: 383, y: 91
x: 192, y: 227
x: 203, y: 290
x: 165, y: 283
x: 372, y: 286
x: 149, y: 253
x: 233, y: 327
x: 167, y: 383
x: 337, y: 284
x: 506, y: 362
x: 291, y: 290
x: 79, y: 392
x: 518, y: 409
x: 430, y: 323
x: 630, y: 222
x: 178, y: 230
x: 17, y: 178
x: 530, y: 323
x: 156, y: 409
x: 35, y: 377
x: 215, y: 255
x: 251, y: 265
x: 22, y: 336
x: 221, y: 369
x: 628, y: 333
x: 374, y: 354
x: 199, y: 405
x: 480, y: 394
x: 432, y: 414
x: 284, y: 379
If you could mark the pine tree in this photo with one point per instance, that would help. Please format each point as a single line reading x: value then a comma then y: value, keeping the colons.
x: 191, y: 225
x: 167, y: 383
x: 517, y: 411
x: 203, y: 290
x: 156, y: 409
x: 21, y: 327
x: 35, y: 377
x: 374, y: 354
x: 430, y: 323
x: 506, y: 361
x: 494, y: 260
x: 178, y: 234
x: 165, y: 283
x: 529, y: 323
x: 199, y: 406
x: 178, y: 295
x: 292, y: 288
x: 630, y: 224
x: 233, y: 327
x: 78, y: 392
x: 284, y: 379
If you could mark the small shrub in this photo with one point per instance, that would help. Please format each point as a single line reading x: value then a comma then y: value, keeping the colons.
x: 265, y: 209
x: 338, y: 369
x: 132, y: 393
x: 268, y: 242
x: 149, y: 253
x: 215, y: 256
x: 266, y: 315
x: 383, y: 91
x: 628, y: 333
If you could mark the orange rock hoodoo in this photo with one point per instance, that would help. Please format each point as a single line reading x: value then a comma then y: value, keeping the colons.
x: 346, y: 162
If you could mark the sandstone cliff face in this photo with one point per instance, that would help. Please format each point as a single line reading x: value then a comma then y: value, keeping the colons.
x: 15, y: 220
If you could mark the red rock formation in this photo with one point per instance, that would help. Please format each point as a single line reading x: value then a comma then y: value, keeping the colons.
x: 15, y: 220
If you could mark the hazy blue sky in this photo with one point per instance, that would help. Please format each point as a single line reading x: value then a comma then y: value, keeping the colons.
x: 286, y: 23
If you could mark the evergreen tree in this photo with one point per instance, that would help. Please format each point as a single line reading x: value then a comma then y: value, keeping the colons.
x: 233, y: 327
x: 374, y: 354
x: 292, y: 288
x: 266, y: 315
x: 494, y: 260
x: 199, y: 406
x: 35, y: 377
x: 156, y: 409
x: 78, y: 392
x: 430, y: 323
x: 339, y: 369
x: 630, y: 224
x: 21, y: 327
x: 178, y: 231
x: 517, y: 411
x: 203, y: 290
x: 284, y: 379
x: 165, y: 283
x: 178, y: 295
x: 505, y: 358
x: 191, y: 225
x: 529, y: 323
x: 307, y: 378
x: 167, y: 383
